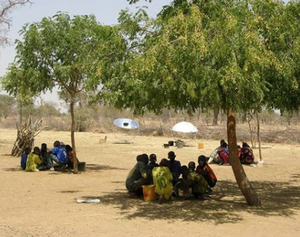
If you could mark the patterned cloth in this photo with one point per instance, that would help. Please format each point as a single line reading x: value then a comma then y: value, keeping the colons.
x: 162, y: 179
x: 208, y: 174
x: 32, y: 161
x: 197, y: 182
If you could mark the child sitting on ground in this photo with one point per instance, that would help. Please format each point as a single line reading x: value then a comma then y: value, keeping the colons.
x: 33, y: 160
x: 162, y: 179
x: 204, y: 169
x: 195, y: 181
x: 44, y: 156
x: 24, y: 157
x: 152, y: 163
x: 192, y: 166
x: 71, y: 158
x: 246, y: 156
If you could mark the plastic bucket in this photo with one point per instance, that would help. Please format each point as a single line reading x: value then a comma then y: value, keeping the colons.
x: 81, y: 166
x: 149, y: 193
x: 200, y: 145
x: 260, y: 163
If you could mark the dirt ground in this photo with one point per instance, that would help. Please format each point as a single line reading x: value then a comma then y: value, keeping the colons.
x: 44, y: 203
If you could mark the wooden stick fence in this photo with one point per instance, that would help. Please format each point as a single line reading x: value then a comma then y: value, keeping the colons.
x: 25, y: 136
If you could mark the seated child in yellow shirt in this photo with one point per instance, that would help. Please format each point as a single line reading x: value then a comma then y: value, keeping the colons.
x: 33, y: 160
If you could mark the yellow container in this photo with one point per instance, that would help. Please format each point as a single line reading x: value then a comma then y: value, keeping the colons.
x: 149, y: 193
x: 200, y: 145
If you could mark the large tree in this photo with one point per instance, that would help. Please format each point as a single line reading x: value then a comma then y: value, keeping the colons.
x: 199, y: 54
x: 61, y: 51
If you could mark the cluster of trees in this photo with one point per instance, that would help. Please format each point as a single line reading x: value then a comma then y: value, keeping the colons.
x: 236, y: 56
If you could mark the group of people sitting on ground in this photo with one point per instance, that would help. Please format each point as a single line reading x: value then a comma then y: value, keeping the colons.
x: 221, y: 155
x: 170, y: 178
x: 39, y: 159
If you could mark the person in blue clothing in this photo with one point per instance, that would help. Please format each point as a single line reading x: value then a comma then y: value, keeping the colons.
x: 24, y: 157
x: 58, y: 154
x: 174, y: 166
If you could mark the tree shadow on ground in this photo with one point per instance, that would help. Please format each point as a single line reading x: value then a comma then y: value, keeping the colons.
x: 224, y: 205
x: 97, y: 167
x: 13, y: 169
x: 88, y: 168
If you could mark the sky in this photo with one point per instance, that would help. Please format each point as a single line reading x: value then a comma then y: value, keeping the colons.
x: 106, y: 12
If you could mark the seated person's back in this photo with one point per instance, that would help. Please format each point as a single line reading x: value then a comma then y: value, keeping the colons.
x: 59, y: 154
x: 33, y: 160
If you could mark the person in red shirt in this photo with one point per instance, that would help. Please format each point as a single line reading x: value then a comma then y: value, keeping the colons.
x: 246, y: 156
x: 204, y: 169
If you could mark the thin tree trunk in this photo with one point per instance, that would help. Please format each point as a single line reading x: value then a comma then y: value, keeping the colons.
x: 238, y: 170
x: 258, y: 136
x: 20, y: 113
x: 216, y: 114
x: 72, y: 105
x: 244, y: 117
x: 251, y: 129
x: 198, y: 114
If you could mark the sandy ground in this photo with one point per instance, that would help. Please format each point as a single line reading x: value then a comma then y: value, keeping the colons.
x: 44, y: 203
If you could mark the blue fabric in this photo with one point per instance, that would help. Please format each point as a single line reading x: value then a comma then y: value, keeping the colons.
x: 23, y: 161
x: 61, y: 154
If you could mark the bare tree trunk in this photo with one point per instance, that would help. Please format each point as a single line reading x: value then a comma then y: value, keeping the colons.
x: 5, y: 20
x: 72, y: 105
x: 238, y: 170
x: 216, y: 114
x: 251, y: 129
x: 198, y: 114
x: 20, y: 113
x: 258, y: 136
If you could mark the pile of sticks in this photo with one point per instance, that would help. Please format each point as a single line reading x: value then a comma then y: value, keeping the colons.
x: 25, y: 137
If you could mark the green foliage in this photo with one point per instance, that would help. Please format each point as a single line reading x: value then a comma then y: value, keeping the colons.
x: 15, y: 83
x: 280, y: 32
x: 207, y: 54
x: 60, y: 51
x: 7, y: 104
x: 64, y: 52
x: 135, y: 1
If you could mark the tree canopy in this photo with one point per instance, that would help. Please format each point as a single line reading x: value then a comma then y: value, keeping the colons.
x: 62, y: 51
x: 234, y: 55
x: 237, y: 55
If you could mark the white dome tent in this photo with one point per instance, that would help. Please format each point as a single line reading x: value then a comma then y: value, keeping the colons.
x: 183, y: 127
